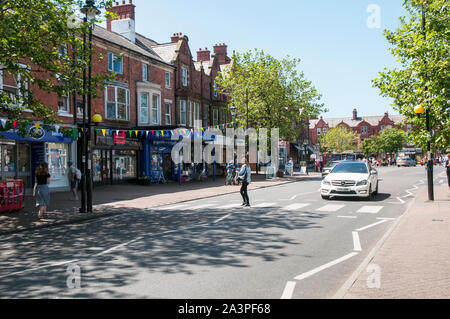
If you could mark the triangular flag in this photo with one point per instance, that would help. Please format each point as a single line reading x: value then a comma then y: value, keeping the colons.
x: 3, y: 123
x: 162, y: 133
x: 57, y: 128
x: 15, y: 124
x: 103, y: 132
x: 37, y: 126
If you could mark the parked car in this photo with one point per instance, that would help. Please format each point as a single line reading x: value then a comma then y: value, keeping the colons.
x: 350, y: 179
x: 405, y: 161
x: 326, y: 170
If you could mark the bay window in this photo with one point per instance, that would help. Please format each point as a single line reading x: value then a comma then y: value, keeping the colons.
x: 155, y: 109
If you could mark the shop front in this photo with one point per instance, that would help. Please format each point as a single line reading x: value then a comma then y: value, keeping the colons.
x: 115, y: 158
x: 157, y: 162
x: 20, y: 156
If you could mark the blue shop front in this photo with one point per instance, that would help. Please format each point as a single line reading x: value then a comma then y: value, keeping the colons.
x: 20, y: 156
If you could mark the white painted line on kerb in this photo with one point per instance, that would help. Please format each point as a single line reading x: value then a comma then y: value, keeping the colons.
x: 288, y: 290
x: 356, y: 242
x: 295, y: 206
x: 370, y: 209
x: 372, y: 225
x: 330, y: 264
x: 222, y: 218
x: 330, y: 208
x: 347, y: 217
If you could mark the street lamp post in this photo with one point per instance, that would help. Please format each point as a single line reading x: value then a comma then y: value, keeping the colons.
x: 90, y: 11
x: 419, y: 110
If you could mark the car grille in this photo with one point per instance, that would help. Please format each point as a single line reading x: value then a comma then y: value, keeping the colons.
x: 344, y: 193
x: 343, y: 183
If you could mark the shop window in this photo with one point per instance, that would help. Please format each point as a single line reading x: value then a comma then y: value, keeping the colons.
x: 144, y: 108
x: 117, y: 103
x: 56, y: 156
x: 124, y: 165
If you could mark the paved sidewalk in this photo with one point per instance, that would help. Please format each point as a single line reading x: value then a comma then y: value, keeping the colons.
x: 118, y: 199
x: 414, y: 260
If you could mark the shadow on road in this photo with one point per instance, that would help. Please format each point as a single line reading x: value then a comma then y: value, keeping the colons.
x: 210, y: 244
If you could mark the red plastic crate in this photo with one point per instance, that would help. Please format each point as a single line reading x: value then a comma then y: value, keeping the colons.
x: 11, y: 195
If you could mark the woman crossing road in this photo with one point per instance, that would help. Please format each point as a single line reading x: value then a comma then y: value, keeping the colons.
x: 245, y: 174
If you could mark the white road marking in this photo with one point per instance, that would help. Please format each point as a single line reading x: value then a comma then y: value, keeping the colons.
x: 328, y: 265
x: 370, y: 209
x: 222, y: 218
x: 294, y: 197
x: 347, y: 217
x: 330, y: 208
x: 289, y: 290
x: 372, y: 225
x: 356, y: 242
x: 386, y: 218
x: 295, y: 206
x: 265, y: 205
x: 117, y: 247
x: 230, y: 206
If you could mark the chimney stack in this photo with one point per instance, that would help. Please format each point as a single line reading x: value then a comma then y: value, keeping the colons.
x: 176, y: 37
x: 203, y: 55
x: 355, y: 114
x: 220, y: 50
x: 124, y: 22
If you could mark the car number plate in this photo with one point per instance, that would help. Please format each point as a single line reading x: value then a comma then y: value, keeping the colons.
x: 343, y: 189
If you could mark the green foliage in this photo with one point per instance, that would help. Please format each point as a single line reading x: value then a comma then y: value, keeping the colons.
x: 339, y: 139
x: 424, y: 74
x: 38, y: 42
x: 279, y: 95
x: 390, y: 141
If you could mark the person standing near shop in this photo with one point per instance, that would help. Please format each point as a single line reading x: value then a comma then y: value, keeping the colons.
x: 245, y: 174
x: 74, y: 178
x: 447, y: 166
x: 42, y: 191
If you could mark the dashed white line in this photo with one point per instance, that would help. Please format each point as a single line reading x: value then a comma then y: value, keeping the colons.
x: 222, y: 218
x: 323, y: 267
x: 295, y: 207
x: 288, y: 290
x: 356, y: 242
x: 347, y: 217
x: 330, y: 208
x: 372, y: 225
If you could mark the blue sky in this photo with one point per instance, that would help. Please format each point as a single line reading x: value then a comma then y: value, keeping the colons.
x: 340, y: 54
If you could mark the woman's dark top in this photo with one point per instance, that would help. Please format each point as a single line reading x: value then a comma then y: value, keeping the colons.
x: 42, y: 179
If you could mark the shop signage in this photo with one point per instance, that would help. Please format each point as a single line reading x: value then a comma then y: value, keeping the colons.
x: 120, y: 138
x: 37, y: 135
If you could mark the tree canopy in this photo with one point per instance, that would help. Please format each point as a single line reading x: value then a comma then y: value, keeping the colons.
x: 339, y: 139
x: 279, y: 96
x: 38, y: 40
x: 390, y: 141
x: 423, y: 78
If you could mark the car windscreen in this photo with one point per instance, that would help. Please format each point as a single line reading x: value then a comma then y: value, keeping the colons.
x: 359, y: 168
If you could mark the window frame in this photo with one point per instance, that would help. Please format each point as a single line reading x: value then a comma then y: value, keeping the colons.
x: 147, y: 94
x: 127, y: 103
x: 184, y: 76
x: 168, y: 113
x: 144, y: 72
x: 182, y: 103
x: 112, y: 60
x: 167, y: 79
x: 158, y: 110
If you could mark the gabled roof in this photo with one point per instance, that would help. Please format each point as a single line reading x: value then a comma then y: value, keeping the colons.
x: 120, y: 40
x: 372, y: 120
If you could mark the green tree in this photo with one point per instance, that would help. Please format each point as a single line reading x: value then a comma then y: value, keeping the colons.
x: 371, y: 145
x: 279, y: 95
x: 390, y: 141
x: 37, y: 42
x: 423, y: 77
x: 340, y: 139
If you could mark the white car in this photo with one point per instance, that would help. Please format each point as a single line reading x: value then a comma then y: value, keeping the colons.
x: 350, y: 179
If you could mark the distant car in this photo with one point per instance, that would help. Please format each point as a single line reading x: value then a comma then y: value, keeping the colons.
x: 350, y: 179
x: 326, y: 170
x: 405, y: 161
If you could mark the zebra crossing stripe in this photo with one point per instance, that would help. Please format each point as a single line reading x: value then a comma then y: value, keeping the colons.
x: 295, y: 207
x: 330, y: 208
x: 370, y: 209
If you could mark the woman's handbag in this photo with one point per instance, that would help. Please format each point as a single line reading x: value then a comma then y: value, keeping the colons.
x: 34, y: 189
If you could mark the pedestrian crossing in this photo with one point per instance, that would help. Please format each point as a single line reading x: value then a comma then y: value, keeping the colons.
x: 341, y: 210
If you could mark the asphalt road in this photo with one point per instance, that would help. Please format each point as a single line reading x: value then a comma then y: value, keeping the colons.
x: 289, y: 244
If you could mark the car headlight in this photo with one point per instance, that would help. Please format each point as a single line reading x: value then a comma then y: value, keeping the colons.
x: 362, y: 183
x: 325, y: 182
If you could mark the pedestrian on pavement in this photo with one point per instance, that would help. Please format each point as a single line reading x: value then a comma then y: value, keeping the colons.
x: 447, y: 165
x: 42, y: 193
x: 74, y: 175
x: 245, y: 174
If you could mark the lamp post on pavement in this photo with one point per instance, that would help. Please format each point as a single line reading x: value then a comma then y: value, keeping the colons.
x: 419, y: 110
x: 90, y: 11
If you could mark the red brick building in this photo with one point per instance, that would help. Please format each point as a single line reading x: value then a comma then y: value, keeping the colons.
x: 365, y: 126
